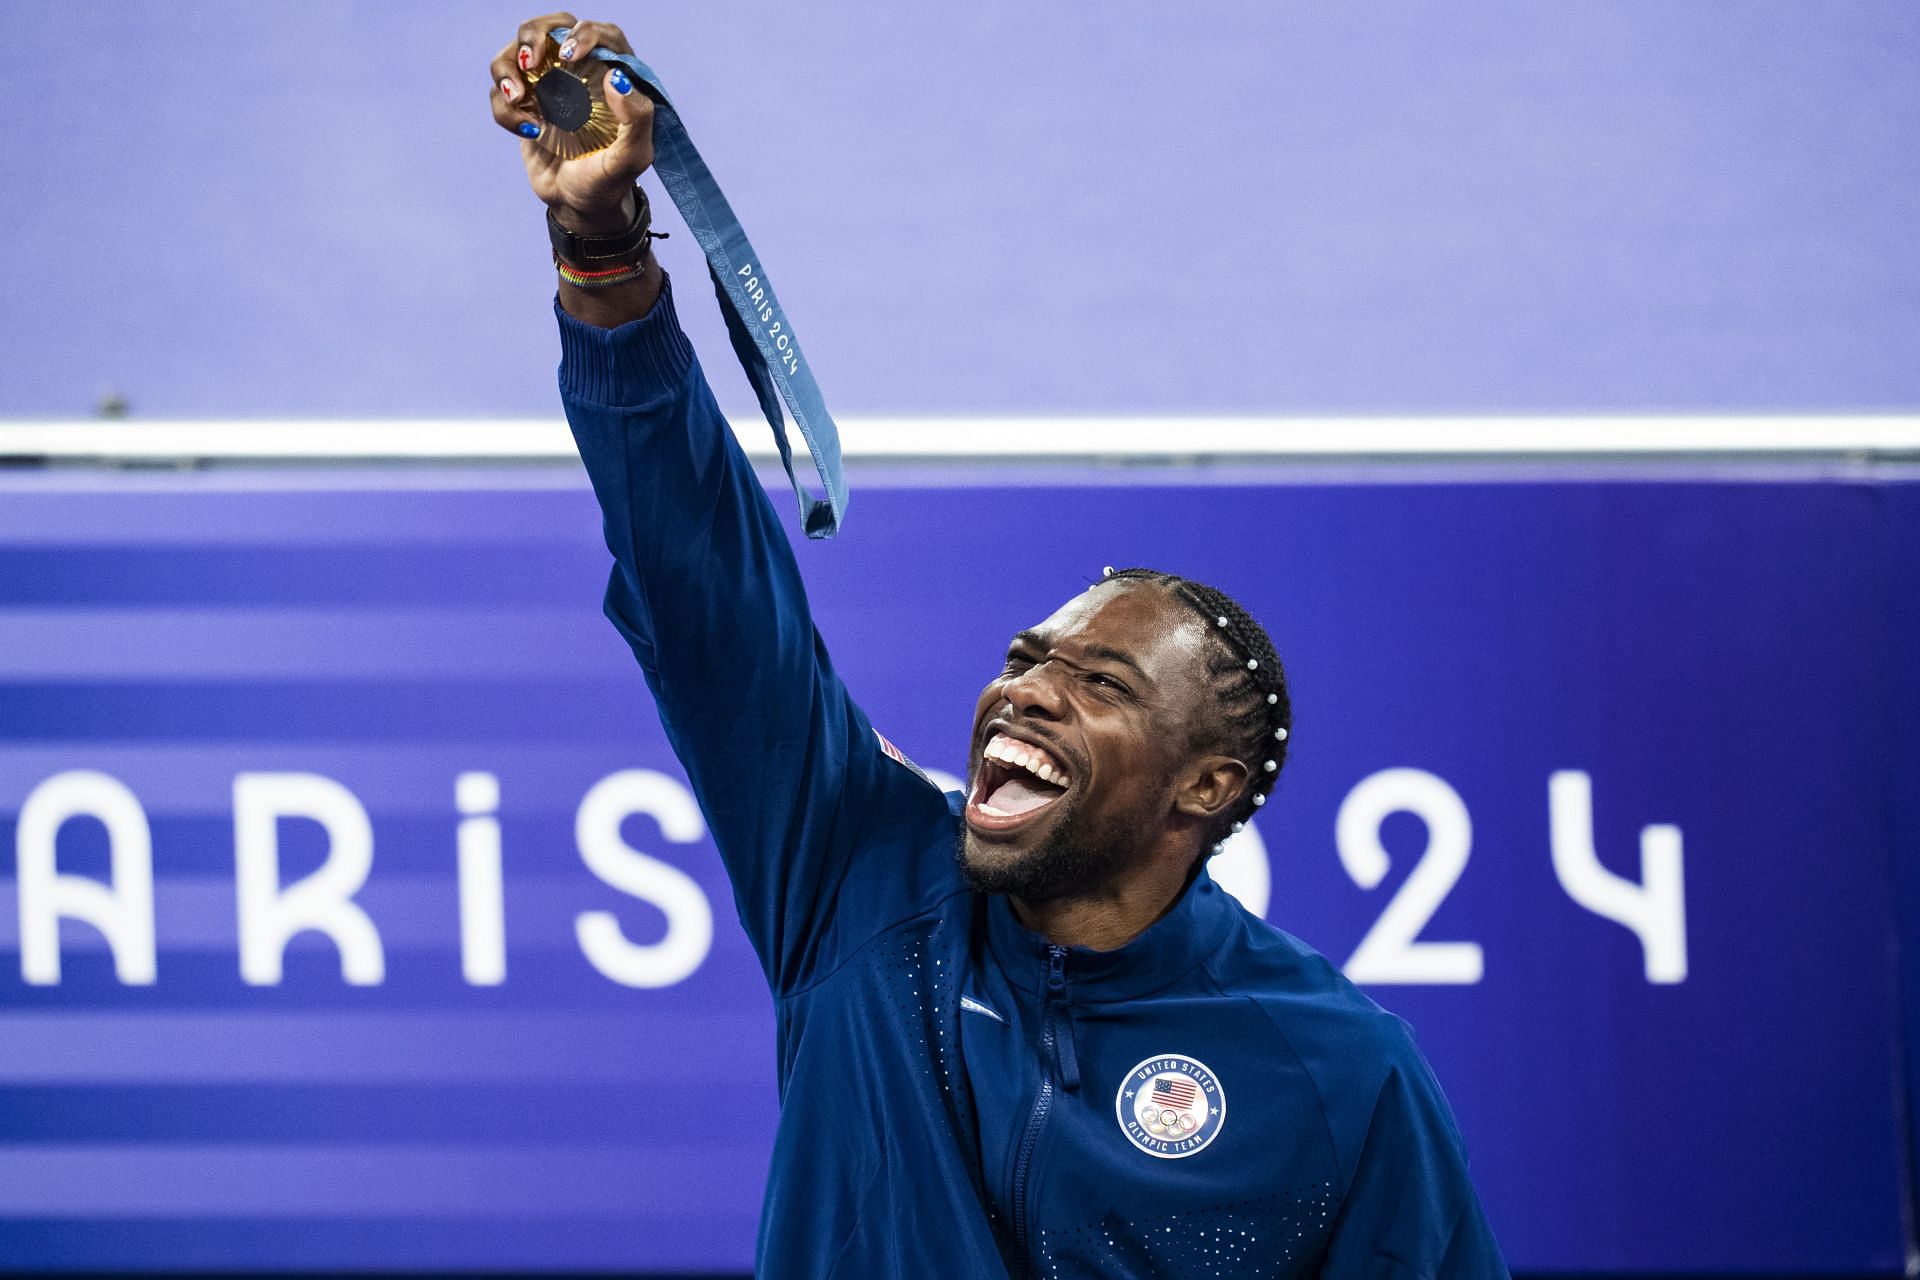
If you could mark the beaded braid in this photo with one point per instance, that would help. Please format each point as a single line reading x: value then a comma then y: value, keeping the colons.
x: 1256, y: 715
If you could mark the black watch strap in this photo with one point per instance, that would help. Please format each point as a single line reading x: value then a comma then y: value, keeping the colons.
x: 622, y: 246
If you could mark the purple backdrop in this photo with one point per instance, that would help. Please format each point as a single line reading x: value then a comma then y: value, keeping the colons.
x: 1603, y: 204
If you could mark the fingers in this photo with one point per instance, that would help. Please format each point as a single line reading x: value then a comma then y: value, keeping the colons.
x: 530, y: 52
x: 632, y: 149
x: 535, y: 49
x: 580, y: 43
x: 515, y: 109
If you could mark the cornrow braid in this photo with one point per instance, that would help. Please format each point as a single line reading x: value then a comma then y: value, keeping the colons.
x: 1255, y: 715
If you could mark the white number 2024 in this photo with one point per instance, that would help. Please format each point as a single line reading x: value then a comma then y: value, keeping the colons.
x: 1654, y: 908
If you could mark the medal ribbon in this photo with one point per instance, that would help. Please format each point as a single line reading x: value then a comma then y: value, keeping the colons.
x: 762, y: 337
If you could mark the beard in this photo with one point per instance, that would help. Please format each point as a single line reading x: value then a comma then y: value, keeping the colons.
x: 1076, y: 856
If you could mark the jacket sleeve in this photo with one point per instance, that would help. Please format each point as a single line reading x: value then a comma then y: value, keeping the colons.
x: 705, y: 590
x: 1410, y: 1211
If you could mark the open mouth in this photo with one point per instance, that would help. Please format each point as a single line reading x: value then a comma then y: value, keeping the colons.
x: 1014, y: 782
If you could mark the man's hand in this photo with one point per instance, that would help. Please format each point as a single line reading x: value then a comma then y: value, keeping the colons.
x: 588, y: 194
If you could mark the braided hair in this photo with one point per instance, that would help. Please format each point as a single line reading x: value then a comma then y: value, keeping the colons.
x: 1253, y: 715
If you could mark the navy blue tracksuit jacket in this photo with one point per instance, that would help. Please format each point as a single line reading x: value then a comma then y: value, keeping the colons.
x: 959, y: 1097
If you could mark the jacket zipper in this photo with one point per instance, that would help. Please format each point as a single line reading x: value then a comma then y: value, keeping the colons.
x: 1043, y: 1099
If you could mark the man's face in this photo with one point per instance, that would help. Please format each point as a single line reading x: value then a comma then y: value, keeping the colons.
x: 1078, y: 744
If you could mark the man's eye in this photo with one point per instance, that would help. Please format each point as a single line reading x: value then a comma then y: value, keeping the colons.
x: 1017, y: 662
x: 1105, y: 681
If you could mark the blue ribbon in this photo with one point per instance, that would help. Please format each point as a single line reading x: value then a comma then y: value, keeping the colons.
x: 762, y: 337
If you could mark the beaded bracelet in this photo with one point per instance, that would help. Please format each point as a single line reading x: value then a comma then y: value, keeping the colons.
x: 599, y: 279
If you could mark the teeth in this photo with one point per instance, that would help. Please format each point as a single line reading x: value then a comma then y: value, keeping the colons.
x: 1021, y: 756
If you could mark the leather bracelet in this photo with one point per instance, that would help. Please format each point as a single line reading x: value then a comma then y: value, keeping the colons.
x: 622, y: 246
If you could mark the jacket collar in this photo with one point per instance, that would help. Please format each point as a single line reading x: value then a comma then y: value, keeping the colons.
x: 1170, y: 948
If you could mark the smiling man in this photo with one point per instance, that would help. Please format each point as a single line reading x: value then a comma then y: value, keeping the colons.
x: 1125, y: 734
x: 1021, y: 1030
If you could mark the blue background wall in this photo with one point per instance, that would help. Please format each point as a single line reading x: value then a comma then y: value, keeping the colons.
x: 1730, y: 656
x: 306, y: 209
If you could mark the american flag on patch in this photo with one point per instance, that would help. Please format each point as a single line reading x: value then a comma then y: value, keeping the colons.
x: 898, y: 756
x: 1175, y: 1091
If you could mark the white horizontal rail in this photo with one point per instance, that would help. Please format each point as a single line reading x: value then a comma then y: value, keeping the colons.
x: 1276, y: 438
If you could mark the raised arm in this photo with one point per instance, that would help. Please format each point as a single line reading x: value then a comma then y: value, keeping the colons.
x: 803, y: 804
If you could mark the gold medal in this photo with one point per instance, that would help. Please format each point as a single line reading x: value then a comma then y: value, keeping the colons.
x: 574, y: 111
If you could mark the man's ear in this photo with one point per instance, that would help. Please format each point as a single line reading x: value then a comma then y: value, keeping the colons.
x: 1211, y: 786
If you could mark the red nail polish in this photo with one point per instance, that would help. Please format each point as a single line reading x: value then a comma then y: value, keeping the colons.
x: 526, y: 58
x: 507, y: 90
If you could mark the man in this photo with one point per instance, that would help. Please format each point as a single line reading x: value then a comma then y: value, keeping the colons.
x: 1021, y: 1031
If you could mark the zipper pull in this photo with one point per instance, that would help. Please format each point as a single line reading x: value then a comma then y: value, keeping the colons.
x: 1065, y: 1057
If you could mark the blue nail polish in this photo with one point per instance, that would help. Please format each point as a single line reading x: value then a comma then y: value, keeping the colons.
x: 618, y: 79
x: 528, y: 129
x: 566, y: 51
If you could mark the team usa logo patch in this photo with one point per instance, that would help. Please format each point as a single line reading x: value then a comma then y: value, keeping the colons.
x: 1171, y: 1106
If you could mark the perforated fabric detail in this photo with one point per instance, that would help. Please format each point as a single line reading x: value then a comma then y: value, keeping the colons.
x: 922, y: 986
x: 901, y: 964
x: 1272, y: 1236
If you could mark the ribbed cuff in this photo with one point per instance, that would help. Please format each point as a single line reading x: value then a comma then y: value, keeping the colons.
x: 632, y: 364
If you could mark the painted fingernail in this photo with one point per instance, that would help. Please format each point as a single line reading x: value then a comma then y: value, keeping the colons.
x: 528, y: 129
x: 566, y: 51
x: 526, y: 58
x: 507, y: 90
x: 618, y: 79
